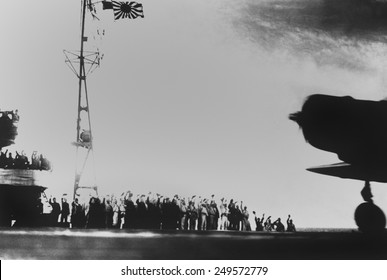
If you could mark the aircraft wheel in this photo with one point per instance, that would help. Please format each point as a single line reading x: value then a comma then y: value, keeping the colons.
x: 370, y: 218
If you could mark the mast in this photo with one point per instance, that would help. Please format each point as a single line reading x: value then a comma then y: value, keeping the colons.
x: 88, y: 61
x: 83, y: 140
x: 81, y: 76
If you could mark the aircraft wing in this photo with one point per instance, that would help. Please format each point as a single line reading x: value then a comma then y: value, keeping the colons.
x: 350, y: 171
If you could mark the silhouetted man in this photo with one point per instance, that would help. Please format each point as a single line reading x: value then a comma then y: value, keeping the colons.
x: 65, y: 211
x: 9, y: 161
x: 279, y: 227
x: 258, y: 222
x: 108, y: 214
x: 3, y: 158
x: 130, y: 211
x: 55, y: 212
x: 291, y: 227
x: 77, y: 214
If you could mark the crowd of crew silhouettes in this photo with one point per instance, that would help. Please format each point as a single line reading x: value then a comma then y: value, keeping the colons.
x: 158, y: 212
x: 8, y: 128
x: 21, y: 161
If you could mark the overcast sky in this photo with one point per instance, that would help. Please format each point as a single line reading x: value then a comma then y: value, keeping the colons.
x: 194, y: 98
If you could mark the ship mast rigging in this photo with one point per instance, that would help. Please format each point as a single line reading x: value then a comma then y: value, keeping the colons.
x: 87, y: 61
x: 81, y: 64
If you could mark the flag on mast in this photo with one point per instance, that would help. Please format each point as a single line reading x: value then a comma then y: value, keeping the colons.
x: 107, y: 5
x: 130, y: 10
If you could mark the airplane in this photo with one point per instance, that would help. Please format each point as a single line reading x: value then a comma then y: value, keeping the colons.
x: 356, y: 130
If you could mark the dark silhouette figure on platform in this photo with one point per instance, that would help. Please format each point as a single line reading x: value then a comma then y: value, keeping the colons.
x: 65, y: 212
x: 130, y: 211
x: 8, y: 128
x: 141, y: 212
x: 233, y: 215
x: 94, y: 219
x: 258, y: 222
x: 3, y: 159
x: 279, y: 226
x: 154, y: 212
x: 108, y: 214
x: 268, y: 226
x: 55, y: 212
x: 290, y: 226
x: 9, y: 163
x: 245, y: 220
x: 192, y: 215
x: 20, y: 161
x: 78, y: 218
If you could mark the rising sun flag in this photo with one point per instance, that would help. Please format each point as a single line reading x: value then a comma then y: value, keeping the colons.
x: 130, y: 10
